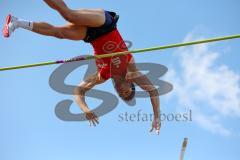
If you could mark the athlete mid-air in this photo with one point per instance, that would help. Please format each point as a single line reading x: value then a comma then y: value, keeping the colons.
x: 98, y: 27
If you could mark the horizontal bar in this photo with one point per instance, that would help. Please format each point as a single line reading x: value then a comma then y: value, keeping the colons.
x: 123, y: 53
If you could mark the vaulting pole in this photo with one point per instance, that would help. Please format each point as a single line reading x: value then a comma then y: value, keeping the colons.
x: 184, y: 146
x: 123, y: 53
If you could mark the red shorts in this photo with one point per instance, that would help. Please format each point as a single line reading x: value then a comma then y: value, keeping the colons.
x: 115, y: 65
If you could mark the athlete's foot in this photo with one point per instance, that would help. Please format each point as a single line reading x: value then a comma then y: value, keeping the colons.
x: 9, y: 26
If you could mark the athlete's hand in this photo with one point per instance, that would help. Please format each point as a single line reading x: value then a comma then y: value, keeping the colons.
x: 156, y: 125
x: 93, y: 119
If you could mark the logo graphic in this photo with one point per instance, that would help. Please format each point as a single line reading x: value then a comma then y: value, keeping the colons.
x: 109, y: 100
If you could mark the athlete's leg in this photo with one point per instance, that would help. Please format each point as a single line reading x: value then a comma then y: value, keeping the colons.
x: 69, y: 31
x: 83, y: 17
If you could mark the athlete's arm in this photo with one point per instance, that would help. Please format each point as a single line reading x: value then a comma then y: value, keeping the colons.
x: 79, y: 93
x: 69, y: 31
x: 142, y: 81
